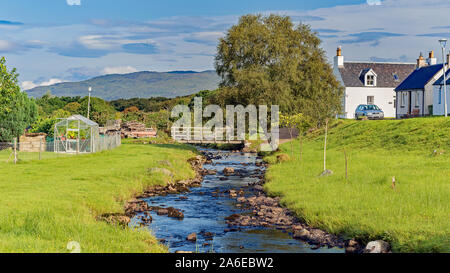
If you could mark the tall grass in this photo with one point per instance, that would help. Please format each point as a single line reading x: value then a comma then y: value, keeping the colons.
x: 413, y: 216
x: 46, y: 204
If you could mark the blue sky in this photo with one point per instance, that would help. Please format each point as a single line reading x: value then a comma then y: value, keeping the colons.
x: 50, y: 41
x: 59, y: 11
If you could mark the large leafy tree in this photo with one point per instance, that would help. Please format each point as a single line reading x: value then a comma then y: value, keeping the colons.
x: 268, y: 60
x: 17, y: 111
x: 100, y: 110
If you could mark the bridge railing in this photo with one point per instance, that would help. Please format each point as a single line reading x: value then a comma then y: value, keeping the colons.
x: 202, y: 134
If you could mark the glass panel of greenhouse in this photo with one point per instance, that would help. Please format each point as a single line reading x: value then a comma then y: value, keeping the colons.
x: 76, y: 134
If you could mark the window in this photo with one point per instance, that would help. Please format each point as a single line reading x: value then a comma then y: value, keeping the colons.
x: 403, y: 99
x: 440, y: 95
x: 370, y: 81
x: 370, y: 100
x: 416, y: 95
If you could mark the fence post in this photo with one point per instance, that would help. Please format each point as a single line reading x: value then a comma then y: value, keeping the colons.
x: 15, y: 150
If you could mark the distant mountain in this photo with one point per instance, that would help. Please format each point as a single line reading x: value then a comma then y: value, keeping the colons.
x: 135, y: 85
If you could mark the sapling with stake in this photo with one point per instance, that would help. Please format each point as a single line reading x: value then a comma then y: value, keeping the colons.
x: 325, y: 171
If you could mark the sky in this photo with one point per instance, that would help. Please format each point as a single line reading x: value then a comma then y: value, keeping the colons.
x: 52, y: 41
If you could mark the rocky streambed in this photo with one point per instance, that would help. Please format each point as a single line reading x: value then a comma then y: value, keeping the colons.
x: 224, y: 209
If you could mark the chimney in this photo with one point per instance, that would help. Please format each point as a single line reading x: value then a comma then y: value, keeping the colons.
x: 339, y: 59
x: 421, y: 61
x: 431, y: 59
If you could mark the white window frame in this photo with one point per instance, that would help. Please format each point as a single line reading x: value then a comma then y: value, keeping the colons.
x: 370, y: 80
x: 416, y: 99
x: 402, y: 99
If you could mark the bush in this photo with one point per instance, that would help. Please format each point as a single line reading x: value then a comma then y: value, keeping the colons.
x: 283, y: 158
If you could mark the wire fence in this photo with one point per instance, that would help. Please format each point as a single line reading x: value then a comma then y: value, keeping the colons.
x: 39, y: 149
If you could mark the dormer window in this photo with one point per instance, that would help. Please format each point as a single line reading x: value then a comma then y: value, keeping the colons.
x: 370, y: 81
x: 370, y: 78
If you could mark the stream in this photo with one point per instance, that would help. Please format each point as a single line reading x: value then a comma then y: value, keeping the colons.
x: 204, y: 210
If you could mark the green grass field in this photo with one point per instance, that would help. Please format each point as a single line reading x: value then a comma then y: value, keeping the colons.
x: 415, y: 217
x: 46, y: 204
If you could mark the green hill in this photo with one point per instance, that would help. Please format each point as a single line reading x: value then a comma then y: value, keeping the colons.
x: 418, y: 134
x: 136, y: 85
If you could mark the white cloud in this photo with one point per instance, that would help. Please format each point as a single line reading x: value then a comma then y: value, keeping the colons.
x: 26, y: 85
x: 74, y: 2
x: 395, y: 30
x: 205, y: 37
x: 6, y: 45
x: 374, y: 2
x: 119, y: 70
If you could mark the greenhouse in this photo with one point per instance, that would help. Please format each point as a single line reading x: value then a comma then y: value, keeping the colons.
x: 76, y: 134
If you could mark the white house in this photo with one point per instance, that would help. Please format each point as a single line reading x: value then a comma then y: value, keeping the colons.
x: 369, y: 83
x: 415, y: 94
x: 438, y: 97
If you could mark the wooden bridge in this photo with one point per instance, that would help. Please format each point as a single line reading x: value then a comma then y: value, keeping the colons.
x: 201, y: 135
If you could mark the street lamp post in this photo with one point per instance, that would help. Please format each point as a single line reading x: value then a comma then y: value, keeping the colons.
x: 443, y: 43
x: 89, y: 101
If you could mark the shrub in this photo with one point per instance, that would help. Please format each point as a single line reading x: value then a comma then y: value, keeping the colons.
x: 283, y: 158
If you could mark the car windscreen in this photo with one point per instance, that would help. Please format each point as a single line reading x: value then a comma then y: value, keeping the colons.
x: 371, y: 107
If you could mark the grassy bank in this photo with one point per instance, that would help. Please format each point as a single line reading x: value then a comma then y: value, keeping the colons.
x: 414, y: 217
x: 45, y: 204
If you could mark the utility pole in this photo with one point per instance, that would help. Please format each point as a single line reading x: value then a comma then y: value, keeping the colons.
x: 443, y: 43
x: 89, y: 101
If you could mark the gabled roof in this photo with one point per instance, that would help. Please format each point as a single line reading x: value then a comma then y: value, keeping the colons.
x: 352, y: 73
x: 441, y: 79
x: 367, y: 70
x: 419, y: 77
x: 83, y: 119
